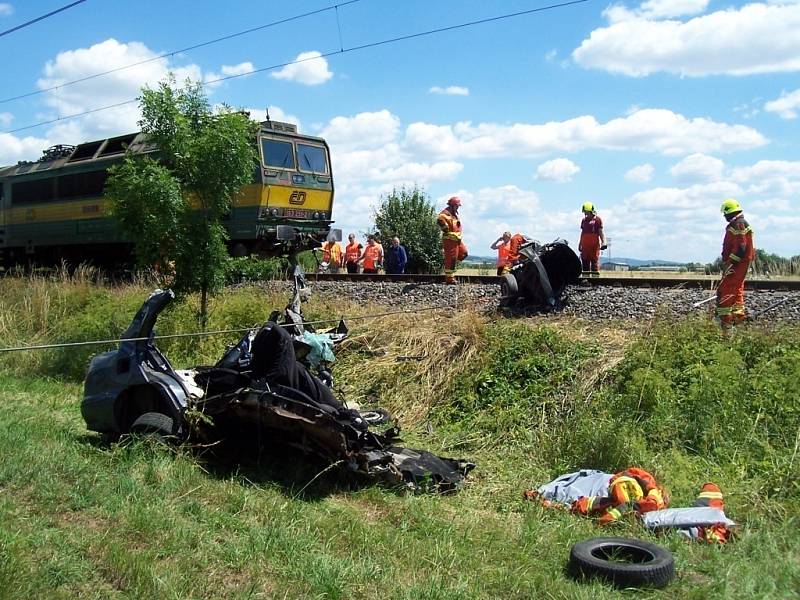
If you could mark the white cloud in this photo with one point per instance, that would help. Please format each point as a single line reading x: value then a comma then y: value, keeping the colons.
x: 364, y: 130
x: 647, y: 130
x: 276, y: 113
x: 6, y: 9
x: 450, y: 90
x: 6, y: 119
x: 656, y: 9
x: 309, y: 68
x: 110, y: 89
x: 698, y: 168
x: 558, y: 169
x: 786, y: 106
x: 640, y: 173
x: 755, y: 38
x: 240, y: 69
x: 13, y: 148
x: 551, y: 55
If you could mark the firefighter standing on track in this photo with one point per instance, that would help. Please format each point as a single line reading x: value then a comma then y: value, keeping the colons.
x: 593, y: 240
x: 738, y: 252
x: 454, y: 248
x: 351, y: 253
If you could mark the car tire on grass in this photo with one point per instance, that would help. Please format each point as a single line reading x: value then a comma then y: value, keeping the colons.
x: 156, y: 425
x: 625, y: 562
x: 376, y: 416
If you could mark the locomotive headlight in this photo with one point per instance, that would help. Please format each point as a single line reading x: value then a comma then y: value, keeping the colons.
x: 316, y: 215
x: 274, y: 212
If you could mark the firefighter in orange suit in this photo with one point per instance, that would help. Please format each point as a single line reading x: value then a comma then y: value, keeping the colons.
x: 738, y: 252
x: 633, y: 489
x: 593, y: 239
x: 454, y: 248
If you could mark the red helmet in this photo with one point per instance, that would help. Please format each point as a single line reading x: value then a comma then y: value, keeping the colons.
x: 454, y: 201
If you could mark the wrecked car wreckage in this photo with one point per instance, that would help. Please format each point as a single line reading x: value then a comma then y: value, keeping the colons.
x: 540, y: 276
x: 262, y: 387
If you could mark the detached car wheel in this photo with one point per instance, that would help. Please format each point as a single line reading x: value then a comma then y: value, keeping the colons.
x: 623, y: 561
x: 376, y: 416
x: 155, y: 424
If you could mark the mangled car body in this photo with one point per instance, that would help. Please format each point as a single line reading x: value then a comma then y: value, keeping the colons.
x: 260, y: 387
x: 541, y: 275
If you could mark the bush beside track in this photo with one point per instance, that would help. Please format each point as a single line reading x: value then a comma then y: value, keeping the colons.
x: 526, y: 399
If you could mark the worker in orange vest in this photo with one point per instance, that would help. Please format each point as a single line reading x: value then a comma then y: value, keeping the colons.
x: 352, y: 252
x: 372, y: 257
x: 501, y: 245
x: 633, y: 489
x: 453, y: 246
x: 738, y: 251
x: 332, y: 254
x: 593, y: 240
x: 514, y: 245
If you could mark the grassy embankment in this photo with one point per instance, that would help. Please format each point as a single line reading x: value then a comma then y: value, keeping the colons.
x: 526, y: 400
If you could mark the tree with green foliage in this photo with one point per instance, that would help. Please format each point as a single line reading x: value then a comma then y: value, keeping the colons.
x: 411, y: 216
x: 172, y: 206
x: 765, y: 263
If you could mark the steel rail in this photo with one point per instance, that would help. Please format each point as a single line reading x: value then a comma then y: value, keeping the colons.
x: 602, y: 281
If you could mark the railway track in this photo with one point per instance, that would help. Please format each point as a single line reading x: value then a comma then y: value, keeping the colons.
x: 776, y: 285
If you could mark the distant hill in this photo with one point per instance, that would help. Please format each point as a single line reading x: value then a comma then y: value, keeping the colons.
x: 638, y: 262
x: 633, y: 262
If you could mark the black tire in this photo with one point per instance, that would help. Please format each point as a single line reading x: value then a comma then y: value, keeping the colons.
x: 508, y: 290
x: 157, y: 425
x: 638, y: 564
x: 375, y: 416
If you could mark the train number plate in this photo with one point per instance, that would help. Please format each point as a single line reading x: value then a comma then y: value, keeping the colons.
x: 297, y: 214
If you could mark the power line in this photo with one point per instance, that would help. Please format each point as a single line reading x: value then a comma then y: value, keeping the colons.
x: 179, y: 51
x: 42, y: 18
x: 217, y: 332
x: 325, y: 55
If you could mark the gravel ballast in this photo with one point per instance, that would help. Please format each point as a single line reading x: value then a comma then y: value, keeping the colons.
x: 601, y: 302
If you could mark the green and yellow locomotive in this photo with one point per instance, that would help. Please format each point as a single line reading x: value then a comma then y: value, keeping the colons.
x: 54, y: 209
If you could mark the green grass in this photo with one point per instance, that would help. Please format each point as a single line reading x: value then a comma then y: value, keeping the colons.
x: 525, y: 400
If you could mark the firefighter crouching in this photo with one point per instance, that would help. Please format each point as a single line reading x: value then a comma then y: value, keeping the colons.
x: 593, y: 240
x: 454, y: 248
x: 738, y: 252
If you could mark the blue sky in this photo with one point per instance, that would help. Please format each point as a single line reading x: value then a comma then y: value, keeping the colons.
x: 655, y: 111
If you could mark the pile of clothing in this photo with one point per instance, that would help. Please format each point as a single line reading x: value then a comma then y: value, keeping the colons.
x: 609, y: 496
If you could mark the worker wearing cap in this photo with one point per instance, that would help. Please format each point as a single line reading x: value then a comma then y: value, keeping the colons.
x: 454, y: 248
x: 501, y: 245
x: 738, y: 251
x: 332, y: 254
x: 593, y: 240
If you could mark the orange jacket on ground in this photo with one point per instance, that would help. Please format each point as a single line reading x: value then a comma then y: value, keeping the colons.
x: 332, y: 253
x: 373, y: 255
x: 630, y: 490
x: 450, y: 225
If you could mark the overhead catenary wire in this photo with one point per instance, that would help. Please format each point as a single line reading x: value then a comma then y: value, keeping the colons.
x: 181, y: 50
x: 41, y: 18
x: 331, y: 53
x: 216, y: 332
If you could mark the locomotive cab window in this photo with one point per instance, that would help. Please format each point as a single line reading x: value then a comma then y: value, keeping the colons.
x: 312, y: 159
x: 278, y: 154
